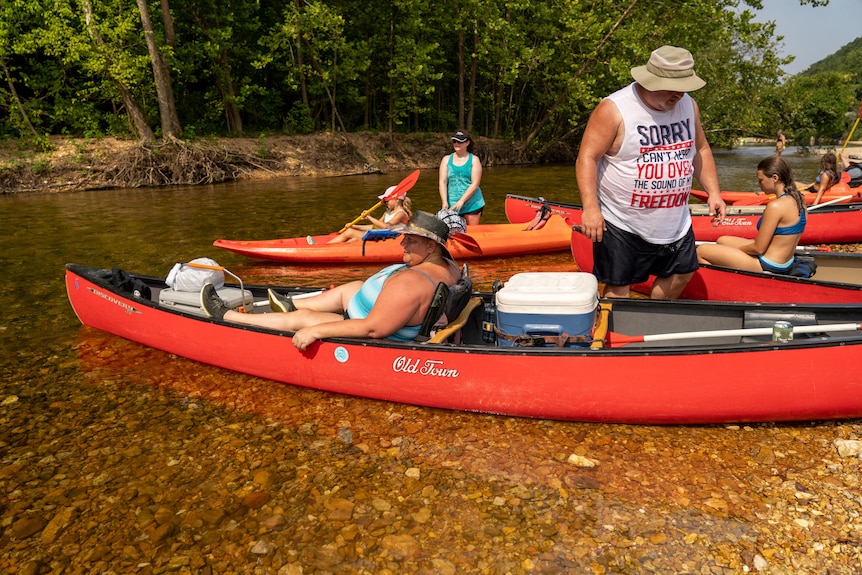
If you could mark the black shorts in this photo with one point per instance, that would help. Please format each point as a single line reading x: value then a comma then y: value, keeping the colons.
x: 479, y: 211
x: 623, y: 258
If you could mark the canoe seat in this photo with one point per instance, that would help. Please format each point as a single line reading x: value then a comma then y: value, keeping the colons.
x: 446, y: 305
x: 435, y: 311
x: 454, y: 326
x: 764, y: 318
x: 600, y: 330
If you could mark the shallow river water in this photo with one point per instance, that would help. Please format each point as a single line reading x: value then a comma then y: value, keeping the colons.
x: 115, y: 458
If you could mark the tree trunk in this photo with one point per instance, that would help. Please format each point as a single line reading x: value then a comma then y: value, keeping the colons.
x: 303, y: 88
x: 170, y: 35
x: 167, y: 108
x: 461, y: 67
x: 139, y: 120
x: 221, y: 70
x: 471, y: 95
x: 234, y: 118
x: 24, y: 118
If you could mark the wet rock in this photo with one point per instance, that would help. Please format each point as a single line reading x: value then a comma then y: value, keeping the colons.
x: 580, y: 461
x: 273, y: 523
x: 27, y: 526
x: 401, y: 546
x: 848, y: 447
x: 256, y: 500
x: 262, y: 548
x: 580, y: 481
x: 422, y: 516
x: 339, y: 509
x: 56, y: 525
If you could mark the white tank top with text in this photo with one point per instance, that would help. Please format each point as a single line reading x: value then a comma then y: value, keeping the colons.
x: 644, y: 188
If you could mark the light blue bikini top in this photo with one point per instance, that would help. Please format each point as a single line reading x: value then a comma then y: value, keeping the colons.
x: 360, y: 304
x: 796, y: 228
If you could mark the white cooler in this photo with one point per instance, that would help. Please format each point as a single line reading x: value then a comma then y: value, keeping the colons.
x: 547, y: 304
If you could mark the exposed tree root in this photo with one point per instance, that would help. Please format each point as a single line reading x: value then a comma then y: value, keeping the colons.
x: 177, y: 162
x: 83, y: 164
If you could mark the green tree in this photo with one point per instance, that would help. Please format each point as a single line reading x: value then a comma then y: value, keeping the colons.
x: 814, y: 106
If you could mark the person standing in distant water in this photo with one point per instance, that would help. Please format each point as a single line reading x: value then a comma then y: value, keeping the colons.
x: 780, y: 143
x: 641, y: 148
x: 459, y: 178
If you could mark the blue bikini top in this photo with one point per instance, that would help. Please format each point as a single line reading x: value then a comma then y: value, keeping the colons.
x: 796, y: 228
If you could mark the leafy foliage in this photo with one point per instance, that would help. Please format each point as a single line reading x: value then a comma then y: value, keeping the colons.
x: 531, y: 71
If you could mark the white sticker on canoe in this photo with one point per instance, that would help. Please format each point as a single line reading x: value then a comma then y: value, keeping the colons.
x: 739, y: 222
x: 107, y: 297
x: 341, y: 354
x: 430, y: 367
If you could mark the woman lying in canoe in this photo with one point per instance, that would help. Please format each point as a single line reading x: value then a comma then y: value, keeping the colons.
x: 778, y: 231
x: 398, y: 211
x: 390, y: 304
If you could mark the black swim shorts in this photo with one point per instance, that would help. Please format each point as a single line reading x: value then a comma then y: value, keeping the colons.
x: 623, y: 258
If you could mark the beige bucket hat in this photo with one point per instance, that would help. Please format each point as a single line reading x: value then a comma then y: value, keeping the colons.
x: 669, y: 68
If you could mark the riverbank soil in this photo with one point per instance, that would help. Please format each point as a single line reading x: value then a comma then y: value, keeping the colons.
x: 68, y: 164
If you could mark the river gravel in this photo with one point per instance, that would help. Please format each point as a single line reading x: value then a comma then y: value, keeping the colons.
x: 129, y: 460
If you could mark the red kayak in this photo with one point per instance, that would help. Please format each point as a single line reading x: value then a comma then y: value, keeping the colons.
x: 646, y: 361
x: 833, y: 224
x: 840, y: 193
x: 481, y: 241
x: 838, y: 279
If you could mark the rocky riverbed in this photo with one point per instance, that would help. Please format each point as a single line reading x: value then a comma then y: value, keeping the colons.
x: 231, y: 474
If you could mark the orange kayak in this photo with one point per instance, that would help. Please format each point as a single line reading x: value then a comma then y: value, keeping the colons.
x: 480, y: 241
x: 840, y: 193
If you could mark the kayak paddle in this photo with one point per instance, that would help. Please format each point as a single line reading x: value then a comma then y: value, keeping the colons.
x: 465, y: 240
x: 830, y: 202
x: 402, y: 187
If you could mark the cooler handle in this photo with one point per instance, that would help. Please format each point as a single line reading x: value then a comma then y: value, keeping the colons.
x: 542, y: 329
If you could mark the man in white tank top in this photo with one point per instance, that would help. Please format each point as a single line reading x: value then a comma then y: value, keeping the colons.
x: 641, y: 148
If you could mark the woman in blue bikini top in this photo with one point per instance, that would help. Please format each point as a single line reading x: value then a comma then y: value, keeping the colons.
x: 778, y: 230
x: 391, y: 304
x: 827, y: 177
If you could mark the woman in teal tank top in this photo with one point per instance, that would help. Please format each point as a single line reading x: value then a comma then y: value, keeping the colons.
x: 459, y: 178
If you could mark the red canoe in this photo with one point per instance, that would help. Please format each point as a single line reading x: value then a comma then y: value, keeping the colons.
x: 491, y: 240
x: 684, y: 362
x: 839, y: 193
x: 833, y: 224
x: 838, y: 279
